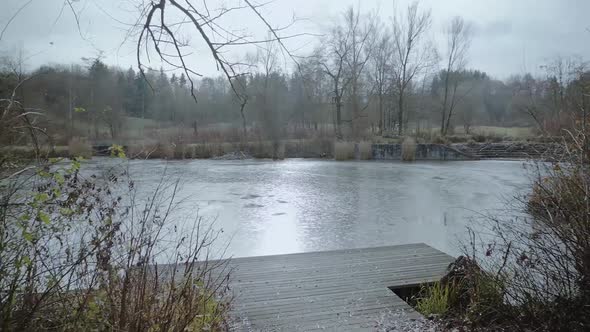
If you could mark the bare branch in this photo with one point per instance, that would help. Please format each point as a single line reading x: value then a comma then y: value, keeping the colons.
x: 13, y: 17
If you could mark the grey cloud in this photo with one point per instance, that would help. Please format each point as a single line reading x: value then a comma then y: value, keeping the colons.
x: 505, y: 31
x: 497, y: 28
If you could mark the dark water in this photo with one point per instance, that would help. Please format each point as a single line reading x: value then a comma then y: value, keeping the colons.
x: 267, y: 207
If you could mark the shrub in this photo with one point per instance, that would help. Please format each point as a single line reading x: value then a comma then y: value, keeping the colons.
x: 486, y: 300
x: 543, y: 258
x: 409, y: 149
x: 79, y: 147
x: 343, y: 150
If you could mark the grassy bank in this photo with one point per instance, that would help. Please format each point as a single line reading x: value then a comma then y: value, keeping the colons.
x: 162, y: 147
x: 304, y: 148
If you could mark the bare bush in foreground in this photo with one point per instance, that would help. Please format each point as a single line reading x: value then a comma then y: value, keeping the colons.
x: 540, y: 260
x: 87, y: 253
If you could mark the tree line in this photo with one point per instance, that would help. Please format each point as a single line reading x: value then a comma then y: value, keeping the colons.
x: 365, y: 77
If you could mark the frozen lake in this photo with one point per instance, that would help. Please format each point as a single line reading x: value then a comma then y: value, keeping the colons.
x: 297, y: 205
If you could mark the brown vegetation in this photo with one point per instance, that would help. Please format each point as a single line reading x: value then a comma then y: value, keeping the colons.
x: 409, y: 149
x: 310, y: 148
x: 343, y: 150
x: 79, y: 147
x: 159, y: 150
x: 365, y: 150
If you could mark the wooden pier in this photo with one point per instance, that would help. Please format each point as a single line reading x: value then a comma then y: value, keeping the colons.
x: 343, y: 290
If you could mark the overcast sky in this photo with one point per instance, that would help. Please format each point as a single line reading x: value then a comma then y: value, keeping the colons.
x: 510, y: 37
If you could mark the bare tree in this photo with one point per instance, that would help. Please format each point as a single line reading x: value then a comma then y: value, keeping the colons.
x: 458, y: 42
x: 412, y: 54
x: 332, y: 58
x: 267, y: 61
x: 344, y: 56
x: 19, y: 123
x: 546, y: 99
x: 360, y: 29
x: 243, y: 98
x: 381, y: 63
x: 561, y: 72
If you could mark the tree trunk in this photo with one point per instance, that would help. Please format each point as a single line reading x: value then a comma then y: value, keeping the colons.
x: 242, y: 106
x: 445, y: 101
x: 380, y: 113
x: 338, y: 118
x: 448, y: 122
x: 400, y: 115
x: 70, y: 106
x: 94, y: 114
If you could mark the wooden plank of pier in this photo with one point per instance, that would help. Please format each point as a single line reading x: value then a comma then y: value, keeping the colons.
x: 332, y: 290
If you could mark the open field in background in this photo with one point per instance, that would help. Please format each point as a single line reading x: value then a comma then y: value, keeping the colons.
x: 506, y: 133
x: 138, y: 129
x: 514, y: 132
x: 478, y: 134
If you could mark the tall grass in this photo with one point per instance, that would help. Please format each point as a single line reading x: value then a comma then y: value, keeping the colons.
x: 436, y: 299
x: 343, y: 150
x: 309, y: 148
x: 278, y: 150
x: 149, y: 150
x: 209, y: 150
x: 365, y: 150
x: 79, y: 147
x: 264, y: 149
x: 409, y: 149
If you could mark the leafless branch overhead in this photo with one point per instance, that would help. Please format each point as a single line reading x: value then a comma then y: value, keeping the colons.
x: 156, y: 33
